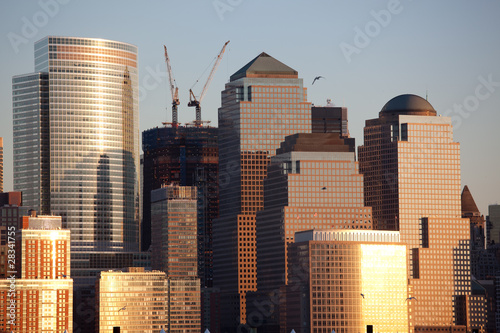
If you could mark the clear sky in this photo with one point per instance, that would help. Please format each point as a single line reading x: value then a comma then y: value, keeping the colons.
x: 368, y: 52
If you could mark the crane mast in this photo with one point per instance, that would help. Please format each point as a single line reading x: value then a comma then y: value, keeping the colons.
x: 192, y: 98
x: 174, y: 90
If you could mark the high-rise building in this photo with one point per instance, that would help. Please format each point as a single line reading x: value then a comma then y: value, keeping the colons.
x: 263, y: 102
x: 493, y: 225
x: 1, y: 164
x: 411, y: 168
x: 330, y: 119
x: 11, y: 213
x: 41, y: 305
x: 40, y: 287
x: 477, y: 221
x: 184, y: 303
x: 132, y: 299
x: 187, y: 156
x: 313, y: 182
x: 76, y: 150
x: 76, y: 146
x: 347, y: 280
x: 140, y: 301
x: 174, y: 238
x: 43, y: 248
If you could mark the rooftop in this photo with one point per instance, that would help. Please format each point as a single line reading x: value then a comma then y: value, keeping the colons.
x: 265, y: 66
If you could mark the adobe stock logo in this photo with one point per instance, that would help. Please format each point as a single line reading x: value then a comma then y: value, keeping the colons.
x: 30, y: 27
x: 373, y: 28
x: 470, y: 104
x: 224, y: 6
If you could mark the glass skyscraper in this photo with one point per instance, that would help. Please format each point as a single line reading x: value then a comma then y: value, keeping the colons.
x: 76, y: 139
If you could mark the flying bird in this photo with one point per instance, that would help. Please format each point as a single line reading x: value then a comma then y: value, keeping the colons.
x: 362, y: 295
x: 410, y: 298
x: 124, y: 308
x: 317, y: 78
x: 323, y: 188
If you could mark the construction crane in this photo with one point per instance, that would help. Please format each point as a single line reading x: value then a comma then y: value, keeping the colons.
x: 192, y: 98
x: 174, y: 90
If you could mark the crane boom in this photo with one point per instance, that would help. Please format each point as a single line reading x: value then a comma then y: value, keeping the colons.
x: 210, y: 77
x: 174, y: 90
x: 192, y: 98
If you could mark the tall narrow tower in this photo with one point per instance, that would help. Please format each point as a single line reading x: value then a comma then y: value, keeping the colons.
x: 411, y: 167
x: 263, y: 102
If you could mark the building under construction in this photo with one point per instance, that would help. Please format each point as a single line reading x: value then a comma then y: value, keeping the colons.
x: 187, y: 156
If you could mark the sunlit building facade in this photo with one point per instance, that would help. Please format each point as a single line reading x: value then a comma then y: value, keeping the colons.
x: 41, y: 305
x: 313, y: 182
x: 76, y: 146
x: 76, y: 139
x: 411, y: 167
x: 347, y: 280
x: 263, y: 102
x: 133, y: 299
x: 43, y: 248
x: 39, y: 287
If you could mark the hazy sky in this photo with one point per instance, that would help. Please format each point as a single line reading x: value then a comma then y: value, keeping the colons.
x: 369, y: 52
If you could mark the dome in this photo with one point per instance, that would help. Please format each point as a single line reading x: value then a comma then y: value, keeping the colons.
x: 408, y: 104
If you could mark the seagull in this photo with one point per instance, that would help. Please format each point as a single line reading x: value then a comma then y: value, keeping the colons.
x: 362, y: 295
x: 410, y: 298
x: 124, y: 308
x: 317, y: 78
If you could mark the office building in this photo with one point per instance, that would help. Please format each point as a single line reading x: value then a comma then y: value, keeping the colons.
x: 76, y: 150
x: 262, y: 103
x: 347, y: 280
x: 329, y: 119
x: 174, y: 237
x: 313, y: 182
x: 146, y: 301
x: 132, y: 299
x: 493, y: 225
x: 411, y: 168
x: 43, y: 248
x: 477, y: 221
x: 40, y: 286
x: 41, y: 305
x: 11, y: 213
x: 184, y: 304
x: 187, y: 156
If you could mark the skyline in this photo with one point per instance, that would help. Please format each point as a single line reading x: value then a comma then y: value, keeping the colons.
x: 445, y: 51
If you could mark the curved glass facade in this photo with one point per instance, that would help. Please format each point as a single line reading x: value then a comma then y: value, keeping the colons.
x: 93, y: 140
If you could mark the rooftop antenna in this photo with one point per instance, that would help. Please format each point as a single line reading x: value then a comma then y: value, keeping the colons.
x: 426, y: 94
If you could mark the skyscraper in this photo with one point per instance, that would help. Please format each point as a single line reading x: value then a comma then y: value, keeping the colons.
x: 411, y: 168
x: 76, y: 134
x: 312, y: 183
x: 76, y: 150
x: 187, y: 156
x: 493, y: 229
x: 263, y: 102
x: 174, y: 241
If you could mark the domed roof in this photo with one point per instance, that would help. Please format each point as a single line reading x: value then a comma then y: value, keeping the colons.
x: 408, y: 104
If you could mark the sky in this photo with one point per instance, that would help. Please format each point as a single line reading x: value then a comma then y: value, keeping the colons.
x: 367, y: 51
